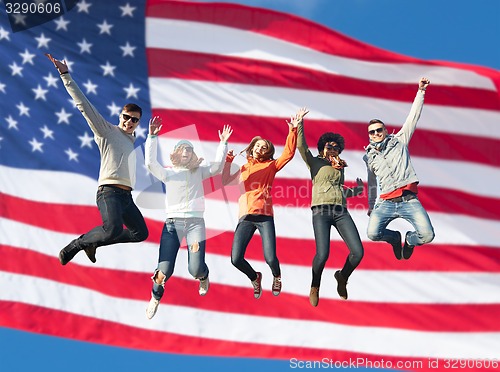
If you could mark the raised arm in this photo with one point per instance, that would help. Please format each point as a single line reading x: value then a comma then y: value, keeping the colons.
x: 151, y: 157
x: 95, y: 120
x: 227, y: 177
x: 298, y: 118
x: 410, y: 124
x: 220, y: 155
x: 301, y: 141
x: 291, y: 139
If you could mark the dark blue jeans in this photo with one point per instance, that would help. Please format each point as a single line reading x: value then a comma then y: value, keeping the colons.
x: 242, y: 236
x: 117, y: 208
x: 323, y: 218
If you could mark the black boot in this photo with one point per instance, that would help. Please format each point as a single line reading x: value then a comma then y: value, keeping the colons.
x: 90, y: 252
x: 341, y: 285
x: 67, y: 253
x: 396, y: 247
x: 407, y: 248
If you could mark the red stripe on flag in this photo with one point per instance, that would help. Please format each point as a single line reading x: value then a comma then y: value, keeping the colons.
x: 183, y: 292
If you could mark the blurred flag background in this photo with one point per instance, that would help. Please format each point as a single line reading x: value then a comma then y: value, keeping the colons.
x: 201, y: 65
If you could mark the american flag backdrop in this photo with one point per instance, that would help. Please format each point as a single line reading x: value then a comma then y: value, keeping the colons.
x: 200, y: 66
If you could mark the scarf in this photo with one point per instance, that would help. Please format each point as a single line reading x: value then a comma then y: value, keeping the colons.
x: 379, y: 146
x: 336, y: 162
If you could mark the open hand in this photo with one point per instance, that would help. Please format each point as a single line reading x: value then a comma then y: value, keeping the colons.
x: 61, y: 66
x: 226, y: 133
x: 297, y: 119
x: 155, y: 125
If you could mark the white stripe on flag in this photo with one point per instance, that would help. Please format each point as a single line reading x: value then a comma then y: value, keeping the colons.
x: 228, y: 41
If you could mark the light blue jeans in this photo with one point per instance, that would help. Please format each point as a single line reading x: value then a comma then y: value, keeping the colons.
x: 412, y: 211
x: 174, y: 230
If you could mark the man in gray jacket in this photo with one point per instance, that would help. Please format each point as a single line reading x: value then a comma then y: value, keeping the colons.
x: 388, y: 161
x: 116, y: 175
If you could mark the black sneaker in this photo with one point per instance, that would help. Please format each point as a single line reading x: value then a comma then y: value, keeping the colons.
x: 67, y: 253
x: 396, y: 247
x: 341, y: 285
x: 407, y: 248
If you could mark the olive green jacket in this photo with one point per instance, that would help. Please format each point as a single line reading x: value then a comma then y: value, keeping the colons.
x: 327, y: 182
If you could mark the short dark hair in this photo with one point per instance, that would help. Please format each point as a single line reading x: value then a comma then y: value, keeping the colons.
x: 375, y: 121
x: 330, y: 137
x: 132, y: 107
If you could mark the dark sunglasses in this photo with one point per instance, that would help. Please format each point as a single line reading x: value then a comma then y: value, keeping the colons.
x: 331, y: 147
x: 378, y: 130
x: 128, y: 117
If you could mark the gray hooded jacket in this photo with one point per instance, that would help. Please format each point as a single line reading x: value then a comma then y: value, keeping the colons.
x: 390, y: 165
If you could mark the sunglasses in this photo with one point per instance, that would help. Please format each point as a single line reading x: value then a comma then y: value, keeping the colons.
x: 331, y: 147
x: 128, y: 117
x: 378, y: 130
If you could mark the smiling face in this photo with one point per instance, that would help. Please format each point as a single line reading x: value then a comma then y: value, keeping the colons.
x: 377, y: 132
x: 332, y: 149
x: 186, y: 153
x: 259, y: 149
x: 129, y: 120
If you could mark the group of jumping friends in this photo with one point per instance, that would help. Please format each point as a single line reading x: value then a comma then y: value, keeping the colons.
x: 392, y: 194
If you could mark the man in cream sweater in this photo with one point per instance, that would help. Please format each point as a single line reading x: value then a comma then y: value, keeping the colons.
x: 116, y: 175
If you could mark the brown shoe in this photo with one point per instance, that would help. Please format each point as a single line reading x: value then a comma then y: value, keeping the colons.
x: 341, y: 285
x: 314, y: 296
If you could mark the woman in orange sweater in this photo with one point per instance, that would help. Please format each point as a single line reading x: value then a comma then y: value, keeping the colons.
x: 256, y: 205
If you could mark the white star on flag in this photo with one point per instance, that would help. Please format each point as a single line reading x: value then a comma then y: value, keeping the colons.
x: 86, y: 140
x: 36, y: 146
x: 63, y: 116
x: 105, y: 28
x: 40, y: 92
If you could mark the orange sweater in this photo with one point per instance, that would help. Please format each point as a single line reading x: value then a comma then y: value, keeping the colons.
x: 257, y: 179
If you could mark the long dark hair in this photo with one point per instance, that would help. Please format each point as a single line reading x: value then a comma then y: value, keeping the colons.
x: 269, y: 152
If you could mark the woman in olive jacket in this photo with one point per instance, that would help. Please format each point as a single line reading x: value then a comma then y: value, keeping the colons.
x: 329, y: 208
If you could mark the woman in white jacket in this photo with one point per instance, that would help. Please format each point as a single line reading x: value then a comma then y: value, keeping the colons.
x: 185, y: 204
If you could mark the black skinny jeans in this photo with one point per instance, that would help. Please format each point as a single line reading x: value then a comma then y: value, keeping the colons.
x: 323, y: 218
x: 242, y: 236
x: 117, y: 208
